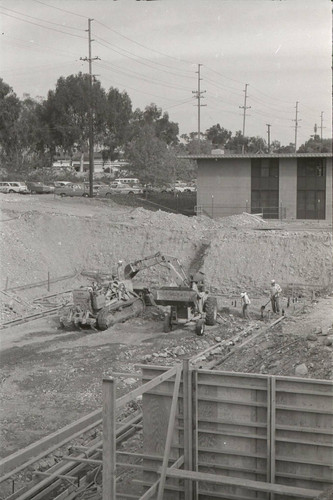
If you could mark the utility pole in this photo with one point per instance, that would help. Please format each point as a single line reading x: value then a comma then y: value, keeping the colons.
x: 269, y: 136
x: 245, y: 107
x: 198, y: 95
x: 296, y: 120
x: 321, y: 125
x: 91, y: 111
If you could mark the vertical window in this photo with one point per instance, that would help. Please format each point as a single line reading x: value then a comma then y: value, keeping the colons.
x: 311, y: 188
x: 265, y: 187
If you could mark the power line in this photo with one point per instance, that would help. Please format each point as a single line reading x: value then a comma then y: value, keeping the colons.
x: 43, y: 20
x: 144, y: 46
x: 63, y: 10
x: 108, y: 65
x: 135, y: 58
x: 41, y: 26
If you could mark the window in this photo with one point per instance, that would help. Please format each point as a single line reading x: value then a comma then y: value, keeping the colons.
x: 265, y: 187
x: 311, y: 188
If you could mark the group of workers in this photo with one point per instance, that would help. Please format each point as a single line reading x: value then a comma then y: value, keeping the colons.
x: 275, y: 292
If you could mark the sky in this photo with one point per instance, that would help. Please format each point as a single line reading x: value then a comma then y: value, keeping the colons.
x: 278, y: 50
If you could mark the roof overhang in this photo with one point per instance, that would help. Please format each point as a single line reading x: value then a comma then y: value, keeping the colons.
x: 253, y: 155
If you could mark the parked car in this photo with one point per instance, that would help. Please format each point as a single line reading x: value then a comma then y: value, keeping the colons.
x: 72, y: 190
x: 40, y: 188
x: 14, y: 187
x: 119, y: 188
x: 61, y: 183
x: 184, y: 187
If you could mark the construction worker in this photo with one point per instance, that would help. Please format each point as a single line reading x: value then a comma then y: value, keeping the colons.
x: 245, y: 303
x: 275, y: 296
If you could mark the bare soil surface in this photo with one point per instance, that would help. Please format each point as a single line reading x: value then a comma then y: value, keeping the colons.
x: 50, y: 377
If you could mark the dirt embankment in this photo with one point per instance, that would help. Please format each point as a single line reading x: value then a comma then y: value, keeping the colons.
x: 60, y: 236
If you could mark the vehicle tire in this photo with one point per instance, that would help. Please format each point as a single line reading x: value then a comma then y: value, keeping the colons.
x: 11, y: 191
x: 130, y: 193
x: 211, y: 310
x: 62, y: 195
x: 167, y: 325
x: 200, y: 327
x: 85, y: 195
x: 108, y: 195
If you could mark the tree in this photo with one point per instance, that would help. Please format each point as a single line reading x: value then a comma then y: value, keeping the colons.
x: 10, y: 107
x: 150, y: 158
x: 218, y: 135
x: 118, y: 117
x: 256, y: 145
x: 66, y: 113
x: 237, y: 143
x: 316, y: 145
x: 164, y: 129
x: 195, y: 147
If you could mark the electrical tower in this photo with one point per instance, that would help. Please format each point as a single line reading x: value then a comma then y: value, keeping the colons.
x: 296, y: 120
x: 198, y: 95
x: 245, y: 107
x: 90, y: 113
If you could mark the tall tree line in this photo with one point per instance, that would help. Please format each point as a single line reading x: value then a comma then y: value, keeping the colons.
x: 34, y: 132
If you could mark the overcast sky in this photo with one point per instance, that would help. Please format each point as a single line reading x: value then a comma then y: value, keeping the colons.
x: 280, y: 48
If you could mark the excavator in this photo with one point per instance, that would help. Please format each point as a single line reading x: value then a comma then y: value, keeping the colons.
x: 188, y: 301
x: 117, y: 299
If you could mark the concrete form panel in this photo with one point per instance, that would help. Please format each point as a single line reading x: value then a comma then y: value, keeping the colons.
x: 252, y: 427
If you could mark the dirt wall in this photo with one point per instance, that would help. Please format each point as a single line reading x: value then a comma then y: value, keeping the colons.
x: 234, y: 252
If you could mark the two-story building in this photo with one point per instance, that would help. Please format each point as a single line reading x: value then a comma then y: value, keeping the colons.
x: 292, y: 186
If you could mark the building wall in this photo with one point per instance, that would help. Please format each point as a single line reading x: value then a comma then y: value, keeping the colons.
x: 288, y: 186
x: 329, y: 190
x: 224, y: 186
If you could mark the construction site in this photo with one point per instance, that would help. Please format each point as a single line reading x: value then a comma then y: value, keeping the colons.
x: 128, y: 370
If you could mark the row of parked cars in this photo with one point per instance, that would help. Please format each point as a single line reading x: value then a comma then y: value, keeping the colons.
x: 66, y: 188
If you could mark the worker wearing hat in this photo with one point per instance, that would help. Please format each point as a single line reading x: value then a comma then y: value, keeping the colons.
x: 275, y: 296
x: 245, y: 304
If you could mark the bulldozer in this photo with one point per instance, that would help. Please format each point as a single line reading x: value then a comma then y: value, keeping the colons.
x: 103, y: 304
x: 188, y: 301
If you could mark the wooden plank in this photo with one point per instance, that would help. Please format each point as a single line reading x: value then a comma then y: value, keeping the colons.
x: 152, y: 490
x: 272, y: 433
x: 269, y: 425
x: 233, y: 401
x: 195, y: 411
x: 169, y: 434
x: 187, y: 411
x: 304, y: 409
x: 146, y: 387
x: 244, y: 483
x: 109, y: 439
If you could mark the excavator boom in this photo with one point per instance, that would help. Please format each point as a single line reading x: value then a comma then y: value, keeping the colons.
x: 171, y: 263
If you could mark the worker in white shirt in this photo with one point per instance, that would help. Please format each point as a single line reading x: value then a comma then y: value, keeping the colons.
x: 275, y: 296
x: 245, y: 304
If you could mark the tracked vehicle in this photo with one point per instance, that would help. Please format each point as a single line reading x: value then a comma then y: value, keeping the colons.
x: 103, y: 304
